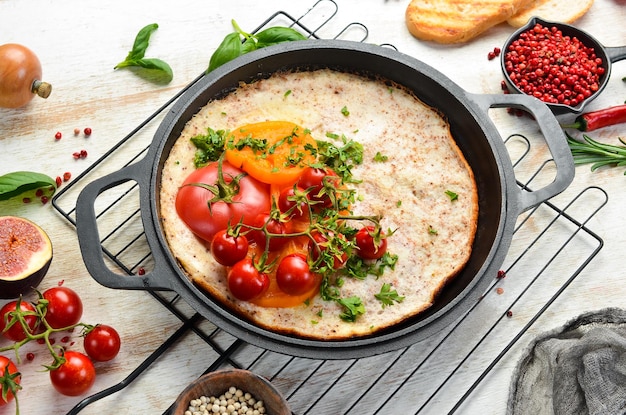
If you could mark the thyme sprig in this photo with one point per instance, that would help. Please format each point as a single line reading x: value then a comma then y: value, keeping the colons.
x: 597, y: 154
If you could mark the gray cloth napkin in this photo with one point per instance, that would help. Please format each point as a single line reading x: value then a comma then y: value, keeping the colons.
x: 579, y: 368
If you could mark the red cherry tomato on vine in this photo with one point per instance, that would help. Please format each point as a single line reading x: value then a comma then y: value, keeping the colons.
x: 321, y: 245
x: 102, y: 343
x: 313, y: 180
x: 65, y: 308
x: 294, y: 276
x: 16, y: 331
x: 10, y: 380
x: 192, y: 201
x: 293, y: 200
x: 75, y: 376
x: 227, y: 249
x: 273, y: 227
x: 246, y: 282
x: 370, y: 244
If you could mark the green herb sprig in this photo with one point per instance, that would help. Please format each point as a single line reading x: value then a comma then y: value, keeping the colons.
x: 136, y: 57
x: 239, y: 43
x: 597, y: 154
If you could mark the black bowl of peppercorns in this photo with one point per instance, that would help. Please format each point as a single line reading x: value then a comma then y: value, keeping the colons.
x: 558, y: 64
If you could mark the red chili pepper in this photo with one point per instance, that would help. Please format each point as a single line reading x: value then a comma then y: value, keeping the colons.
x: 601, y: 118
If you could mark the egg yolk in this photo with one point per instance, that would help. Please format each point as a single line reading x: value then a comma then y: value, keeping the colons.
x: 273, y: 152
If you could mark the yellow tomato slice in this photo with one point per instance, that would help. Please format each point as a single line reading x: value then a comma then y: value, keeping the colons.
x: 284, y: 156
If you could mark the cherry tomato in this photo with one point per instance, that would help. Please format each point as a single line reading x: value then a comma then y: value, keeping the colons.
x: 314, y: 180
x: 65, y: 307
x: 20, y: 76
x: 370, y: 244
x: 9, y: 380
x: 75, y: 376
x: 293, y: 200
x: 246, y: 282
x: 227, y: 249
x: 102, y: 343
x: 272, y: 226
x: 321, y: 245
x: 294, y: 276
x: 192, y: 201
x: 16, y: 331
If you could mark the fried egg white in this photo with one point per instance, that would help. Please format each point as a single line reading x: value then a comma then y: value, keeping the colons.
x: 434, y: 234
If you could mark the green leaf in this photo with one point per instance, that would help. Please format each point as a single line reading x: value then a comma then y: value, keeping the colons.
x: 142, y: 41
x: 387, y: 296
x: 232, y: 46
x: 229, y: 49
x: 135, y: 57
x: 275, y: 35
x: 16, y: 183
x: 157, y: 65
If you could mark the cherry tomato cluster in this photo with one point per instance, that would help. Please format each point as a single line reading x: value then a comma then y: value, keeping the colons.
x: 302, y: 236
x: 59, y: 309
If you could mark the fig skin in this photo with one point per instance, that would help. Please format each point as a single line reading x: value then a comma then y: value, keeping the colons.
x: 25, y: 256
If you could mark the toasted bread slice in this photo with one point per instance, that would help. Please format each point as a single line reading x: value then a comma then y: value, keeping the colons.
x: 455, y: 21
x: 564, y: 11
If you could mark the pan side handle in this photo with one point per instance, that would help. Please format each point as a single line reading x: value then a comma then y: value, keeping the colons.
x: 553, y: 135
x: 89, y: 238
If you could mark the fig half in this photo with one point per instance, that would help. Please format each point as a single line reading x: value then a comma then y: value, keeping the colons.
x: 25, y: 256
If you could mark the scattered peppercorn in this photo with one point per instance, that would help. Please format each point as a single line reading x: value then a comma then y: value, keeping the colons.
x: 500, y: 290
x: 44, y: 199
x: 87, y: 131
x: 80, y: 154
x: 76, y: 131
x: 494, y: 53
x: 501, y: 274
x: 58, y: 135
x: 509, y: 313
x: 67, y: 176
x: 141, y: 271
x: 30, y: 356
x: 26, y: 200
x: 58, y: 181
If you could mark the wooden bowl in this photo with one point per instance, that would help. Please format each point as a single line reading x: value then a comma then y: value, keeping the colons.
x: 217, y: 383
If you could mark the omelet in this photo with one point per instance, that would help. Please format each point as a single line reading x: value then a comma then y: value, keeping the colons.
x: 413, y: 175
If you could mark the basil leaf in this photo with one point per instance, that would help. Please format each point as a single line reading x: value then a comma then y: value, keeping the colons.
x: 233, y: 47
x: 142, y: 41
x: 157, y: 65
x: 136, y: 56
x: 275, y: 35
x: 229, y: 49
x: 16, y: 183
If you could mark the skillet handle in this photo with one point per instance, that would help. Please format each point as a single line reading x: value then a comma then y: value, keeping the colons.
x: 553, y: 135
x: 89, y: 239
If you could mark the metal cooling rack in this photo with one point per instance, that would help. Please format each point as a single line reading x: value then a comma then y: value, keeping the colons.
x: 551, y: 246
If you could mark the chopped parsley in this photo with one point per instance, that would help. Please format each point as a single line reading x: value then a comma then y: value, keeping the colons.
x: 387, y: 296
x: 210, y: 146
x: 452, y: 195
x: 379, y: 157
x: 345, y: 111
x: 353, y: 307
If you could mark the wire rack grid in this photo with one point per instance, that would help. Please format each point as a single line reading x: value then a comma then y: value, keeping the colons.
x: 438, y: 375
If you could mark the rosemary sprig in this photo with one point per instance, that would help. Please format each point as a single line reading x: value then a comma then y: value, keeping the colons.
x: 597, y: 154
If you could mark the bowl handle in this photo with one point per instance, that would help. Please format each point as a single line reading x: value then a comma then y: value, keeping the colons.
x: 616, y: 53
x: 89, y: 239
x: 553, y: 135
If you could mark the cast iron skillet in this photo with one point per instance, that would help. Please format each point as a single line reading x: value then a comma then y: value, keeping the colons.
x: 500, y: 199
